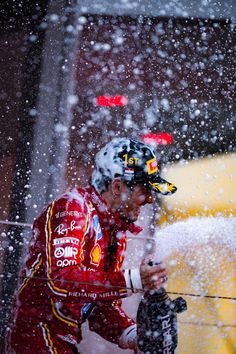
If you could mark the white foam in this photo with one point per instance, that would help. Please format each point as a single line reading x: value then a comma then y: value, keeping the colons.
x: 196, y: 231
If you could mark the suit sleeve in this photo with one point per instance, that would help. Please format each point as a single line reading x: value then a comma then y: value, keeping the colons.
x: 66, y: 230
x: 109, y: 321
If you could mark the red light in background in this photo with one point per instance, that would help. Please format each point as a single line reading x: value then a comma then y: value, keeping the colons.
x: 112, y: 101
x: 157, y: 138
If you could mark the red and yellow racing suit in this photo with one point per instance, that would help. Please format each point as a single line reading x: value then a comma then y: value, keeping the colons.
x: 72, y: 273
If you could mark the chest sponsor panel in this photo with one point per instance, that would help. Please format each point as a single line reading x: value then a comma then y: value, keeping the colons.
x: 65, y: 240
x: 96, y: 252
x: 97, y: 228
x: 66, y: 252
x: 72, y: 213
x: 64, y: 229
x: 66, y: 262
x: 66, y: 256
x: 95, y: 255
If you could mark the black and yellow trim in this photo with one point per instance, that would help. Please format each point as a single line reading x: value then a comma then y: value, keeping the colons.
x: 123, y: 290
x: 33, y: 271
x: 48, y: 339
x: 62, y: 317
x: 48, y: 230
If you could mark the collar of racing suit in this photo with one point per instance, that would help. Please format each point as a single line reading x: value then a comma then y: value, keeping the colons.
x: 109, y: 219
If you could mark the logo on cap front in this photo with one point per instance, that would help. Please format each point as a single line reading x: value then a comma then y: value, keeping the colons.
x: 152, y: 166
x: 129, y: 160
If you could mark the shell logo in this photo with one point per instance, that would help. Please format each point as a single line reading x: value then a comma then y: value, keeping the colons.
x: 95, y: 255
x: 152, y: 166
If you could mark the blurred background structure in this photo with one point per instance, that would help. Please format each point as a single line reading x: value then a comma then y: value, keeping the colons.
x: 75, y: 74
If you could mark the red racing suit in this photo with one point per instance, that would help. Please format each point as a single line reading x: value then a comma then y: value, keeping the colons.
x: 72, y: 273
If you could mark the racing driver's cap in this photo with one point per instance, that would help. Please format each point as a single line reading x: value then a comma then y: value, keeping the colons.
x: 133, y: 161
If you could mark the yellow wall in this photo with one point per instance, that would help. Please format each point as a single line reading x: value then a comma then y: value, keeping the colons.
x: 205, y: 187
x: 209, y: 325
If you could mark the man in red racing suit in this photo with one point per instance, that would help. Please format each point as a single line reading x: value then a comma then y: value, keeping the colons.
x: 73, y: 273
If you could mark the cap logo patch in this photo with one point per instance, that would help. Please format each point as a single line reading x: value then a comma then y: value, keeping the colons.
x: 129, y: 173
x: 164, y: 188
x: 152, y: 166
x: 130, y: 160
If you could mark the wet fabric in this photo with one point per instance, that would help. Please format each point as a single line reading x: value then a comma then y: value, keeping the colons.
x: 71, y: 268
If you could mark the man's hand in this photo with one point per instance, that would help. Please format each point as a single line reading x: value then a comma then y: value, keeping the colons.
x: 128, y: 339
x: 153, y: 275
